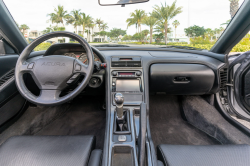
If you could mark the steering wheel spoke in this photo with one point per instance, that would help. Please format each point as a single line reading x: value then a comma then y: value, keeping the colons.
x: 81, y: 68
x: 27, y: 67
x: 48, y: 96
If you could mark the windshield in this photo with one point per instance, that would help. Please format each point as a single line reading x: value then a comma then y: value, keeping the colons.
x: 181, y: 24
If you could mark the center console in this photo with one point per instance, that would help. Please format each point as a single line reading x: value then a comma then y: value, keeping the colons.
x: 127, y: 107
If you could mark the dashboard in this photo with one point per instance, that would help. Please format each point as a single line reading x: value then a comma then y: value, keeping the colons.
x: 172, y: 71
x: 71, y: 50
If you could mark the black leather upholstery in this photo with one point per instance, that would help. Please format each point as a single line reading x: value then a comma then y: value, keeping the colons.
x: 47, y: 151
x: 212, y: 155
x: 95, y: 158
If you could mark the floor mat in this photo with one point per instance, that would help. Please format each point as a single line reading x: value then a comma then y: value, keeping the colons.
x: 83, y: 116
x: 206, y: 117
x: 168, y: 127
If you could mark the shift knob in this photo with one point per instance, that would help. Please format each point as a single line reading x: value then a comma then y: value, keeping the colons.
x: 119, y: 99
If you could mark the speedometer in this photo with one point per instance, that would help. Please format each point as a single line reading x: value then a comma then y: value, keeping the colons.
x: 83, y: 57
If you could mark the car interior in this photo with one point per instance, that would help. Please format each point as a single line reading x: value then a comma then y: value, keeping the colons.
x: 123, y: 106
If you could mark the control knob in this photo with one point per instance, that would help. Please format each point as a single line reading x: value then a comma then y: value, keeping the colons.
x: 138, y: 73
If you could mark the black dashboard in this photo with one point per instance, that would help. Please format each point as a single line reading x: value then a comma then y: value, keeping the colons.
x: 172, y: 71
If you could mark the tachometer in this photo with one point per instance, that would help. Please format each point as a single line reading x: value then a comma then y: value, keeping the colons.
x: 83, y: 57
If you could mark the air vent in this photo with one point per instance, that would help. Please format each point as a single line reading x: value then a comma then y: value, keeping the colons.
x: 119, y: 64
x: 126, y: 64
x: 8, y: 76
x: 223, y: 78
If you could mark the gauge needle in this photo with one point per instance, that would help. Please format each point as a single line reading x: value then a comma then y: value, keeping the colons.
x: 85, y: 60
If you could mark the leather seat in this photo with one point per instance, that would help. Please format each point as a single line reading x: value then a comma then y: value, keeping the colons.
x: 49, y: 151
x: 211, y: 155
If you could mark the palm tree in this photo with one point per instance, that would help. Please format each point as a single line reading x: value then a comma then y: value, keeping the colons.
x: 165, y: 13
x: 160, y: 28
x: 74, y: 19
x: 99, y: 22
x: 59, y: 15
x: 175, y: 24
x: 226, y: 23
x: 210, y: 33
x: 234, y: 6
x: 151, y: 22
x: 104, y: 27
x: 84, y: 21
x: 136, y: 18
x: 88, y: 31
x: 92, y: 27
x: 131, y: 21
x: 145, y: 34
x: 23, y: 28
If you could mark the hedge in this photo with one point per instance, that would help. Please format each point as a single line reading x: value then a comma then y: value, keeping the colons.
x: 237, y: 48
x: 42, y: 46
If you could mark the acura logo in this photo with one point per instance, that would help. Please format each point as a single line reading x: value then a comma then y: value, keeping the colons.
x: 53, y: 64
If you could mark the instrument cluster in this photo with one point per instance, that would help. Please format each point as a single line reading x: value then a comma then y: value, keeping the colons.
x: 82, y: 56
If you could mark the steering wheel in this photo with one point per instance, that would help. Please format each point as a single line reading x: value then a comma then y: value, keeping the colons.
x: 53, y: 73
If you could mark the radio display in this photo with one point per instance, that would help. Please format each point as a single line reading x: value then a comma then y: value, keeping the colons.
x: 126, y: 74
x: 127, y: 85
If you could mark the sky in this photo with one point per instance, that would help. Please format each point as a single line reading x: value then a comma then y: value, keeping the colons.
x: 207, y: 13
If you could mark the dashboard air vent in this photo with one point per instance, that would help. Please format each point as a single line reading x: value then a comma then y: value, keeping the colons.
x: 9, y: 75
x: 119, y: 64
x: 223, y: 78
x: 126, y: 64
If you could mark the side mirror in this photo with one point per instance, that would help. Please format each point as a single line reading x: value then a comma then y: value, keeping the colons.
x: 119, y: 2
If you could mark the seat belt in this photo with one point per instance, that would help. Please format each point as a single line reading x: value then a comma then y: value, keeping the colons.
x: 2, y: 49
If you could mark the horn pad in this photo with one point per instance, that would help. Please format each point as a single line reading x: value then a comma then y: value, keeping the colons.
x: 52, y: 72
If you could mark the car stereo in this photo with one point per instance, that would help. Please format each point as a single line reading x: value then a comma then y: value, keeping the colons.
x: 123, y: 81
x: 129, y: 83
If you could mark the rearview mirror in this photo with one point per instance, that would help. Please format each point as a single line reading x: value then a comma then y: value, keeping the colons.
x: 119, y: 2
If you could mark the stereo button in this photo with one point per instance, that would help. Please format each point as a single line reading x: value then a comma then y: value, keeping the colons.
x: 138, y: 73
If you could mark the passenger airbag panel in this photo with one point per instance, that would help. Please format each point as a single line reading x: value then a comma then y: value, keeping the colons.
x: 181, y: 79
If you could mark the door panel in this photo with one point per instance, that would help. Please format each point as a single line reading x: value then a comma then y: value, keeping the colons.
x: 246, y: 87
x: 239, y: 86
x: 11, y: 101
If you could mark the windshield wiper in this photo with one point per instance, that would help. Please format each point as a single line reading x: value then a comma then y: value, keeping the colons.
x: 110, y: 45
x: 182, y: 47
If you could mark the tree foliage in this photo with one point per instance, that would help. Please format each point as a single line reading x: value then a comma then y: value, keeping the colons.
x: 53, y: 29
x: 151, y: 22
x: 115, y: 33
x: 136, y: 18
x: 23, y: 28
x: 165, y: 13
x: 195, y: 31
x: 59, y: 15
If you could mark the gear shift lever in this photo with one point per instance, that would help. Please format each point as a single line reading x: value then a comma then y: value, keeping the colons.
x: 119, y: 99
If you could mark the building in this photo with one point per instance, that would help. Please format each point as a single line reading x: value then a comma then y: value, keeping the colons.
x: 93, y: 34
x: 180, y: 36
